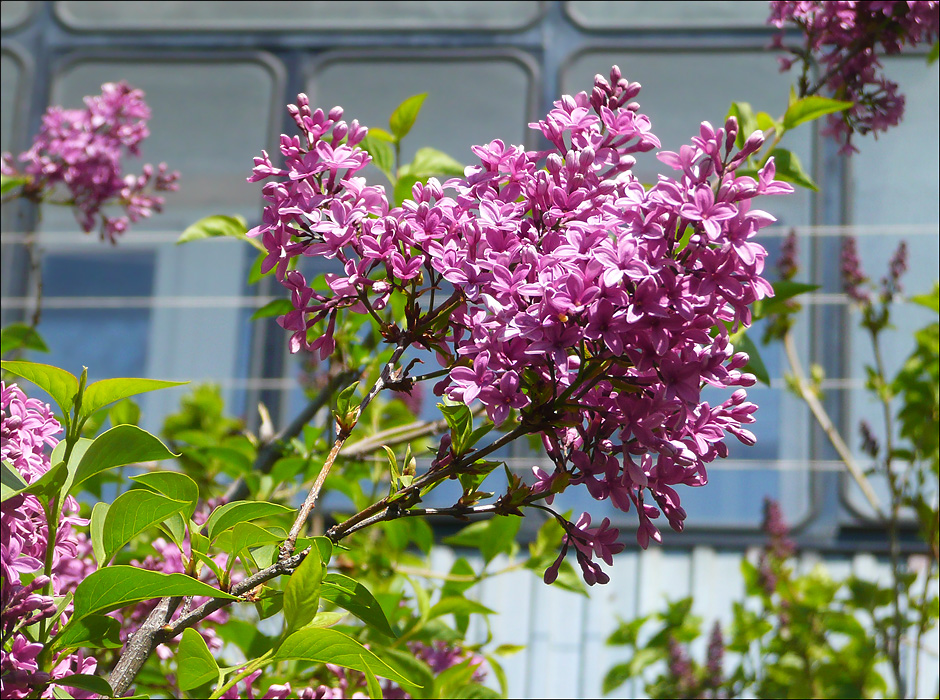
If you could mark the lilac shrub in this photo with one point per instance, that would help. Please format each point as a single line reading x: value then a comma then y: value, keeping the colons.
x: 580, y: 305
x: 82, y: 150
x: 27, y: 429
x: 846, y: 40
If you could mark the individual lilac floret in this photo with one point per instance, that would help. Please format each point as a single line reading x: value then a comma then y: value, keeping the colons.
x: 585, y: 307
x: 846, y: 39
x: 82, y: 150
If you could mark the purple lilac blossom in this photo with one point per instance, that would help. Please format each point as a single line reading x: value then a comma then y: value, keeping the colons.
x: 82, y: 149
x: 847, y: 39
x: 27, y: 434
x: 587, y: 307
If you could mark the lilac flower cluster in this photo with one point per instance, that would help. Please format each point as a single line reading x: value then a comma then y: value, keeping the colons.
x: 778, y: 549
x: 857, y: 284
x: 846, y: 38
x: 26, y: 431
x: 592, y: 306
x: 82, y: 149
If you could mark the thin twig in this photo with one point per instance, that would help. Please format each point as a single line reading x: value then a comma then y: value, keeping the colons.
x: 310, y: 501
x: 273, y: 450
x: 825, y: 422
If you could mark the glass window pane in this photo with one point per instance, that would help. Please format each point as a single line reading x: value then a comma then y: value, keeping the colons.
x: 894, y: 198
x: 680, y: 90
x: 11, y: 71
x: 79, y: 329
x: 293, y: 16
x: 468, y: 102
x: 668, y: 15
x: 209, y: 120
x: 13, y: 13
x: 12, y: 105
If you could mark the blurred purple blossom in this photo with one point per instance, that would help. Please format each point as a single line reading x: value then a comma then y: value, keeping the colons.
x: 83, y: 149
x: 847, y: 40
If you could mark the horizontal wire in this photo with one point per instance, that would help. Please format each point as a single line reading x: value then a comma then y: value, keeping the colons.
x: 80, y: 239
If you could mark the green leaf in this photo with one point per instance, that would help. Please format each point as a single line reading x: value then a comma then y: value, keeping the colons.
x: 114, y: 587
x: 195, y: 664
x: 125, y: 412
x: 83, y: 681
x: 403, y: 188
x: 254, y: 274
x: 246, y: 636
x: 460, y: 606
x: 96, y: 531
x: 19, y: 335
x: 175, y: 528
x: 747, y: 122
x: 934, y: 53
x: 380, y: 133
x: 429, y: 162
x: 755, y: 364
x: 219, y: 226
x: 475, y: 690
x: 928, y: 301
x: 93, y: 631
x: 403, y: 118
x: 277, y: 307
x: 765, y: 122
x: 302, y: 593
x: 491, y: 537
x: 132, y: 513
x: 383, y: 156
x: 49, y: 484
x: 10, y: 481
x: 270, y: 604
x: 344, y: 399
x: 211, y: 563
x: 462, y: 568
x: 8, y: 183
x: 62, y: 386
x: 353, y: 596
x: 372, y: 684
x: 783, y: 291
x: 812, y: 107
x: 460, y: 420
x: 616, y: 677
x: 249, y: 535
x: 448, y: 681
x: 121, y: 445
x: 172, y: 485
x: 789, y: 169
x: 229, y: 515
x: 330, y: 646
x: 420, y: 675
x: 107, y: 391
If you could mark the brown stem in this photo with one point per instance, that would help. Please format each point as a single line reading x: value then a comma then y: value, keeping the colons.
x: 287, y: 548
x: 273, y: 450
x: 825, y: 422
x: 139, y: 648
x: 381, y: 510
x: 894, y: 650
